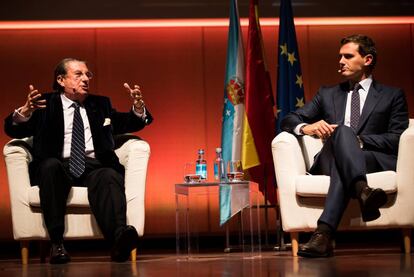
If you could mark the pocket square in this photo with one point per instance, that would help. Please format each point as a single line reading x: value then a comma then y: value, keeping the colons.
x: 107, y: 122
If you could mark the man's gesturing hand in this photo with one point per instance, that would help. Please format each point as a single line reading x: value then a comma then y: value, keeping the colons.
x: 33, y: 102
x: 136, y: 95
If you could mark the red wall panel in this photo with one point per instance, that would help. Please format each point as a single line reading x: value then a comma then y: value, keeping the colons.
x: 168, y: 64
x: 181, y: 71
x: 394, y: 55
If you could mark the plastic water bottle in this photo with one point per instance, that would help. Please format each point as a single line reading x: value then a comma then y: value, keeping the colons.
x: 219, y: 174
x: 201, y: 165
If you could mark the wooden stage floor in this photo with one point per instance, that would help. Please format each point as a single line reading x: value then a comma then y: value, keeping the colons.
x: 346, y: 262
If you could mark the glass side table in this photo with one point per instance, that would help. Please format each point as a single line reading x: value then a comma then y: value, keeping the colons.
x: 198, y: 216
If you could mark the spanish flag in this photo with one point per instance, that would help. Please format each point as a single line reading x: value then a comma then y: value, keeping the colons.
x: 259, y: 120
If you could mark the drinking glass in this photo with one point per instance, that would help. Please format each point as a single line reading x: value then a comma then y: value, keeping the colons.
x: 234, y: 171
x: 190, y: 177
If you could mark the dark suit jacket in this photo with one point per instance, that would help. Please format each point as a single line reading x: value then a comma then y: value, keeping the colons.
x: 47, y: 128
x: 384, y: 117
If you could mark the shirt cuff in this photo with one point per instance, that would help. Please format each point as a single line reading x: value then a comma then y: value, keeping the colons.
x: 143, y: 115
x: 18, y: 117
x: 297, y: 129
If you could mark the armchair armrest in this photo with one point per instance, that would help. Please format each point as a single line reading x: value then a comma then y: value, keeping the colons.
x: 17, y: 156
x: 287, y: 156
x: 405, y: 164
x: 288, y: 161
x: 134, y: 154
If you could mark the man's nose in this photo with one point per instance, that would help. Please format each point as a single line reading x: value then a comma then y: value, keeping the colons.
x: 84, y: 77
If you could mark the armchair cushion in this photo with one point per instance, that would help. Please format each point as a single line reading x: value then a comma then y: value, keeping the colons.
x: 78, y: 197
x: 318, y: 185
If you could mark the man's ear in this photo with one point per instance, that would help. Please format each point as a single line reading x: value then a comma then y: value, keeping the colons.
x: 59, y: 79
x: 368, y: 59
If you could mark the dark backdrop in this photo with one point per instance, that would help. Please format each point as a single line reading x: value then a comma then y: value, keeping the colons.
x: 139, y: 9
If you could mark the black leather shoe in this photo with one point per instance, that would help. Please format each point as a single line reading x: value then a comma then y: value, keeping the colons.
x: 370, y: 201
x: 320, y: 245
x: 58, y: 254
x: 124, y: 243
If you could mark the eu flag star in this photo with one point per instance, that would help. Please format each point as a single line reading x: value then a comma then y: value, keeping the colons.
x: 284, y: 49
x: 299, y: 102
x: 299, y: 80
x: 291, y: 58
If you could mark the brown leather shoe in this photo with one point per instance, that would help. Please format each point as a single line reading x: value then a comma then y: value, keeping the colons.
x: 320, y: 245
x: 124, y: 243
x: 58, y: 254
x: 370, y: 201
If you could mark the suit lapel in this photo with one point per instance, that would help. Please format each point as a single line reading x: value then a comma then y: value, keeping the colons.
x: 91, y: 111
x: 339, y: 100
x: 373, y: 97
x: 57, y: 115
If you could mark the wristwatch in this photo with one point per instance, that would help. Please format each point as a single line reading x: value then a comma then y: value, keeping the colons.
x: 301, y: 129
x: 361, y: 143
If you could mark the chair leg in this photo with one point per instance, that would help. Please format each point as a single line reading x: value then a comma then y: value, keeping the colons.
x: 294, y: 237
x: 24, y: 250
x: 134, y: 255
x: 43, y: 247
x: 407, y: 240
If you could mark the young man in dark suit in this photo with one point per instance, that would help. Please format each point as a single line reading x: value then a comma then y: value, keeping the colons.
x: 360, y: 122
x: 73, y: 145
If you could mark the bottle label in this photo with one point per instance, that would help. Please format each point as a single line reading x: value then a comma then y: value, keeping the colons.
x: 201, y: 169
x: 219, y: 171
x: 216, y: 173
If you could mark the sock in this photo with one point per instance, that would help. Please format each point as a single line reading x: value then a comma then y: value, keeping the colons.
x: 56, y: 241
x: 324, y: 228
x: 359, y: 186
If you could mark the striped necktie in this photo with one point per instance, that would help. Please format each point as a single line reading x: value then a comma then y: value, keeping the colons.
x: 77, y: 150
x: 355, y: 107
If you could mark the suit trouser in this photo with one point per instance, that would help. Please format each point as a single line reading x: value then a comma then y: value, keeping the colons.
x: 106, y: 195
x: 345, y: 162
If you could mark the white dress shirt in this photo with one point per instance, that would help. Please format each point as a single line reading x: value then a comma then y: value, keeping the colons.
x: 68, y: 112
x: 363, y: 93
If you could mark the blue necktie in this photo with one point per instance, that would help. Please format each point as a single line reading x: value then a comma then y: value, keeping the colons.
x: 355, y: 107
x: 77, y: 150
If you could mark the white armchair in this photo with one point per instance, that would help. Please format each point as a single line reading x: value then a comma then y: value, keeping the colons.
x: 301, y: 196
x: 27, y: 218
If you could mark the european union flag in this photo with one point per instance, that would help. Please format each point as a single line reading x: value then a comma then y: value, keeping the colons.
x: 290, y: 94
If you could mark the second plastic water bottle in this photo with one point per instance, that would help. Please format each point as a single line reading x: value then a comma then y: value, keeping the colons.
x: 201, y: 165
x: 219, y: 174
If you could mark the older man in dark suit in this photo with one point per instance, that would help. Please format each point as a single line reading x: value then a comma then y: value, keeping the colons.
x: 360, y: 122
x: 73, y: 145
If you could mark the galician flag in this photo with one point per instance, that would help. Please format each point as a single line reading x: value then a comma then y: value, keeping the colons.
x: 233, y: 110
